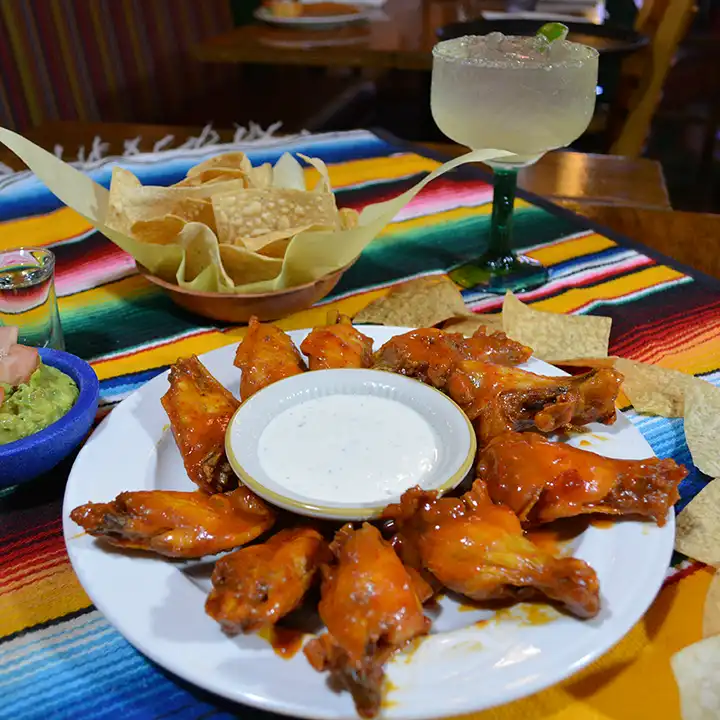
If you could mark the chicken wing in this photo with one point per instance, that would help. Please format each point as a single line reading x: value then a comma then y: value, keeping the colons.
x: 177, y: 524
x: 199, y: 409
x: 430, y: 355
x: 265, y: 355
x: 337, y: 345
x: 543, y: 481
x: 500, y: 399
x: 370, y: 607
x: 256, y: 586
x: 478, y: 549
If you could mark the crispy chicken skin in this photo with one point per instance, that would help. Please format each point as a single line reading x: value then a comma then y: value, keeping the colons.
x: 430, y: 355
x: 337, y: 345
x: 256, y: 586
x: 499, y: 399
x: 177, y: 524
x: 265, y: 355
x: 199, y: 409
x: 478, y: 549
x: 543, y: 481
x: 370, y: 608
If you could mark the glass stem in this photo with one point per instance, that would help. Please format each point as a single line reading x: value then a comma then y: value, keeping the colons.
x: 504, y: 185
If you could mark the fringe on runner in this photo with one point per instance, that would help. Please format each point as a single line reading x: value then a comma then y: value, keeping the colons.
x: 90, y: 159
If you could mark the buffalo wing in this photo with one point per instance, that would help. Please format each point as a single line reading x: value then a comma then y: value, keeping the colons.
x: 370, y: 608
x: 478, y: 549
x: 430, y: 355
x: 265, y: 355
x: 543, y: 481
x: 337, y: 345
x: 177, y: 524
x: 199, y: 409
x: 499, y: 399
x: 256, y: 586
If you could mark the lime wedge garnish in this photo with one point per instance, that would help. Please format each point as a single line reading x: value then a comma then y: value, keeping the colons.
x: 553, y: 31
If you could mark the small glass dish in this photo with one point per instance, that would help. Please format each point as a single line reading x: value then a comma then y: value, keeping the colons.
x: 27, y: 296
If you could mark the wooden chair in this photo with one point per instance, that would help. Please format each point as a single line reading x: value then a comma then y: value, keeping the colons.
x: 665, y: 22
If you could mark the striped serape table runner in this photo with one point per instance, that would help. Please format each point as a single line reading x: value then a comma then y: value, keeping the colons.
x: 59, y: 658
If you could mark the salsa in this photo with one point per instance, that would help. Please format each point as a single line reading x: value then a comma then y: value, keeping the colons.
x: 32, y: 406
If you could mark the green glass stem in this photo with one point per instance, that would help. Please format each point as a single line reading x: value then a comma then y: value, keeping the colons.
x: 499, y: 269
x: 499, y: 252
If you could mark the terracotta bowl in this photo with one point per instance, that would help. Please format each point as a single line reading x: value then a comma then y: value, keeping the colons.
x: 239, y: 308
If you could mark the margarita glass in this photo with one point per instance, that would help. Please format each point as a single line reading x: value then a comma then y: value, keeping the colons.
x: 524, y: 95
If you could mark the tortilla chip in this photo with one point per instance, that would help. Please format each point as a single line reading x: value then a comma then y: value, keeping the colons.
x: 697, y: 533
x: 697, y: 669
x: 129, y: 202
x: 160, y: 231
x: 348, y: 218
x: 261, y: 176
x: 652, y: 389
x: 419, y: 303
x: 554, y: 336
x: 702, y: 425
x: 228, y: 161
x: 711, y: 614
x: 271, y: 239
x: 275, y: 249
x: 244, y: 266
x: 468, y: 325
x: 288, y: 173
x: 255, y: 213
x: 213, y: 175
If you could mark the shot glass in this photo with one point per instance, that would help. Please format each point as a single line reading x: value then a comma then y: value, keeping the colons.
x: 27, y: 296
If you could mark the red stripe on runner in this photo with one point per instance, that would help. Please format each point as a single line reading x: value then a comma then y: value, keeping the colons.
x: 681, y: 574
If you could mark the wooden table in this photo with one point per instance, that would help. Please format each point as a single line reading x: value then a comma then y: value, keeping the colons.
x: 401, y: 41
x: 625, y: 195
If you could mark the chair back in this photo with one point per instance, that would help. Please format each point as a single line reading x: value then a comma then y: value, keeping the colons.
x: 665, y: 22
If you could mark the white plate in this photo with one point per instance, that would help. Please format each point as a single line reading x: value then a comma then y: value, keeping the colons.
x: 462, y: 667
x: 310, y: 21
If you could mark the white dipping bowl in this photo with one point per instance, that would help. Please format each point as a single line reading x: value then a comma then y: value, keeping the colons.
x: 311, y: 482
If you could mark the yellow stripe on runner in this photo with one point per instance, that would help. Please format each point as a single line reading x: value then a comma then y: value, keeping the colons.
x: 51, y: 595
x: 616, y: 288
x: 125, y: 289
x: 571, y: 248
x: 41, y: 230
x: 357, y: 172
x: 168, y: 352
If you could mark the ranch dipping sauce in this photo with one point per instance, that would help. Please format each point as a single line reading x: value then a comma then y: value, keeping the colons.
x: 348, y: 448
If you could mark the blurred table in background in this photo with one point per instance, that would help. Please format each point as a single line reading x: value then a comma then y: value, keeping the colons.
x: 625, y: 195
x: 399, y: 36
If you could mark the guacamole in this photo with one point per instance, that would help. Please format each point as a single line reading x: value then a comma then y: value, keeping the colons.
x: 32, y: 406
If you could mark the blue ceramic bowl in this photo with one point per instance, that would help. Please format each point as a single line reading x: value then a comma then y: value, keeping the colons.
x: 25, y: 459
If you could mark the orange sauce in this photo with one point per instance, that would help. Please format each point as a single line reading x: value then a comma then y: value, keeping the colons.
x: 585, y: 443
x: 468, y: 608
x: 387, y: 688
x: 531, y: 614
x: 602, y: 523
x: 600, y: 437
x: 286, y: 642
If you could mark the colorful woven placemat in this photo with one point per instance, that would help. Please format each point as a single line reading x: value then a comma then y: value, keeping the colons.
x: 59, y: 658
